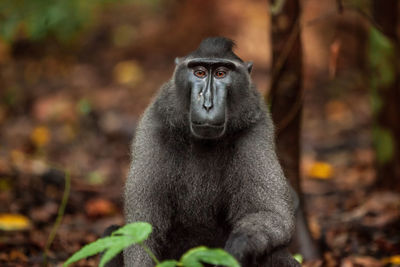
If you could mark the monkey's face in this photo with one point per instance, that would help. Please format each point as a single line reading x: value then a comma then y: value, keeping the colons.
x: 210, y: 81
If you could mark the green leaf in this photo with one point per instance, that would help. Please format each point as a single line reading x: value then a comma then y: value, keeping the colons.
x: 298, y: 258
x: 195, y: 257
x: 138, y: 231
x: 111, y: 253
x: 93, y: 248
x: 375, y: 101
x: 384, y: 144
x: 9, y: 27
x: 126, y: 236
x: 84, y: 106
x: 382, y: 60
x: 168, y: 263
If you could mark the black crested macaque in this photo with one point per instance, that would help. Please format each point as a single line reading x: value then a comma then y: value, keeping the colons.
x: 204, y: 169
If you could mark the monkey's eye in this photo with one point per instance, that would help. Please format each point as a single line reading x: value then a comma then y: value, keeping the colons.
x: 200, y: 73
x: 220, y: 74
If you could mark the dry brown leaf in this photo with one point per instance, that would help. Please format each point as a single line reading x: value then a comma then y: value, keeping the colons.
x: 16, y: 255
x: 361, y: 261
x: 385, y: 207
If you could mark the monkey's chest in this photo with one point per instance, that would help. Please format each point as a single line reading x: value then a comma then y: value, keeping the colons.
x: 199, y: 189
x: 198, y: 218
x: 199, y: 202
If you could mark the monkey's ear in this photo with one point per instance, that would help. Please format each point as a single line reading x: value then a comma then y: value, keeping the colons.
x: 178, y: 60
x: 249, y: 66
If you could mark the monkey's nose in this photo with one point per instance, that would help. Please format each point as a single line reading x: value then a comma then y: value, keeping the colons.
x: 207, y: 105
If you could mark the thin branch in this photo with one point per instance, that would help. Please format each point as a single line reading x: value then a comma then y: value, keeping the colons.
x: 60, y: 216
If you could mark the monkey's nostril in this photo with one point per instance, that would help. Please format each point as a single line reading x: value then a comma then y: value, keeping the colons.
x: 207, y: 107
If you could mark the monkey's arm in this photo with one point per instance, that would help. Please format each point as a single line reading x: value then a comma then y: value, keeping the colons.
x: 144, y: 194
x: 262, y: 210
x: 142, y: 203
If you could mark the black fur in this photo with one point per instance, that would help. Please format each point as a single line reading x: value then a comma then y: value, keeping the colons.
x: 215, y: 47
x: 227, y: 192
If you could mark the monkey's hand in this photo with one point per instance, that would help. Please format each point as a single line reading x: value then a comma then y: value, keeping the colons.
x: 240, y: 246
x: 244, y: 248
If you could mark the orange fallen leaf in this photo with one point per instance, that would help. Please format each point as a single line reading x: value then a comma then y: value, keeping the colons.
x: 14, y: 222
x: 99, y: 207
x: 395, y: 259
x: 321, y: 170
x: 40, y: 136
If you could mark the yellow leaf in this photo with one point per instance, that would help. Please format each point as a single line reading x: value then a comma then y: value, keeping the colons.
x: 13, y: 222
x: 40, y: 136
x: 321, y: 170
x: 393, y: 260
x: 128, y: 72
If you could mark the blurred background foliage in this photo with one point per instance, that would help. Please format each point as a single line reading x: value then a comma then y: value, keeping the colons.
x: 62, y: 19
x: 382, y: 58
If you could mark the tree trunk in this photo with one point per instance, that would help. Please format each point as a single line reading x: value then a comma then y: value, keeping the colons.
x: 286, y: 100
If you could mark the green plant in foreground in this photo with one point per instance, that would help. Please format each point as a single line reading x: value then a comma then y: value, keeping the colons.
x: 136, y: 233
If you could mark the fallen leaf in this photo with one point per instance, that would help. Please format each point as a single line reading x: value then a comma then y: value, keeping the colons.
x: 128, y: 72
x: 361, y: 261
x: 14, y: 222
x: 395, y: 259
x: 44, y: 213
x: 55, y: 107
x: 16, y: 255
x: 321, y: 170
x: 381, y: 208
x: 96, y: 178
x: 40, y: 136
x: 99, y: 207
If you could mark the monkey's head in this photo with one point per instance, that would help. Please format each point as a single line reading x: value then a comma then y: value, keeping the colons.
x: 214, y: 88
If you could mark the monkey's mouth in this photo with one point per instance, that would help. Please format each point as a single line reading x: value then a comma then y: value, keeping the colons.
x: 207, y: 130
